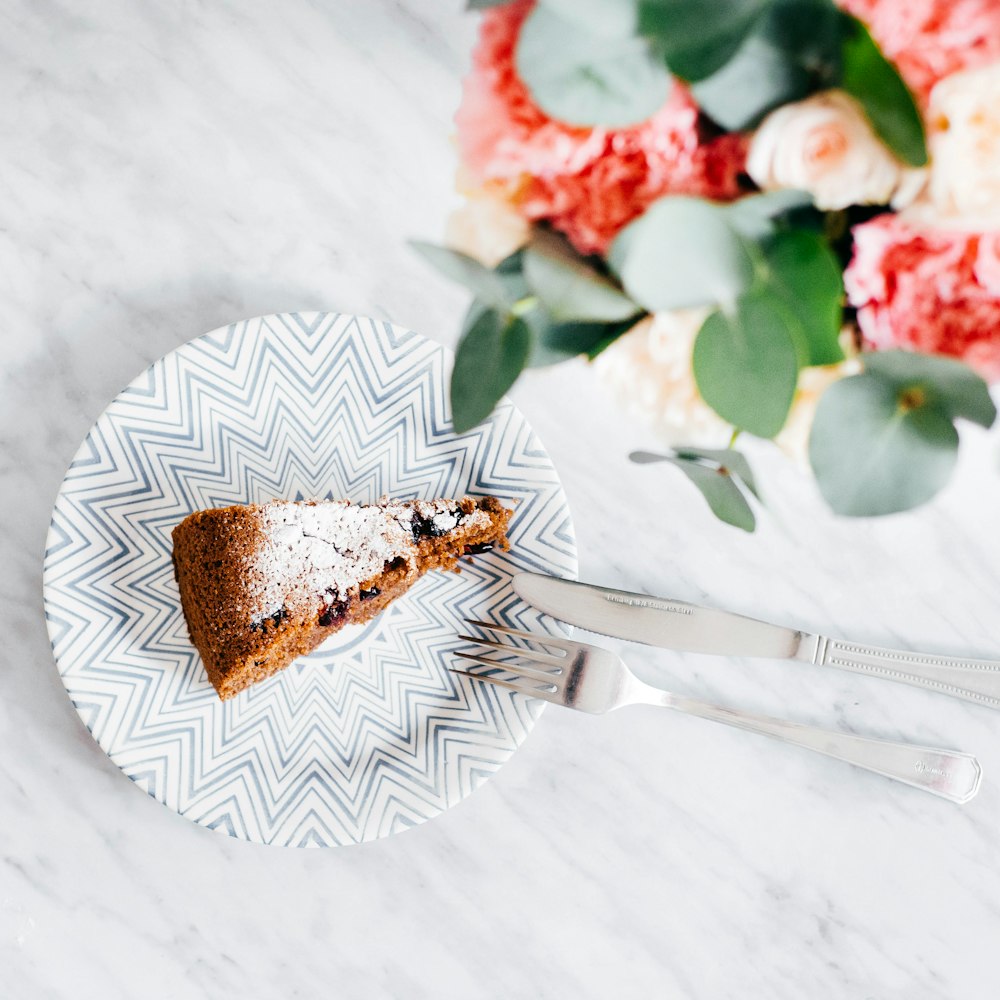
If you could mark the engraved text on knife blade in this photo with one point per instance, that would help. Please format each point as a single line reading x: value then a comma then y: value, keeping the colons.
x: 633, y: 602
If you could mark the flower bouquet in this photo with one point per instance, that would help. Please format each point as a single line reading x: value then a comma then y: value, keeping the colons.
x: 778, y: 218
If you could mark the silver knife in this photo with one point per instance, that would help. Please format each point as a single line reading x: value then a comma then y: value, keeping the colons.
x: 661, y: 621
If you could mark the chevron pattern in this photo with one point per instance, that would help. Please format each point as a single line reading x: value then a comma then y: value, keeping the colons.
x: 370, y: 734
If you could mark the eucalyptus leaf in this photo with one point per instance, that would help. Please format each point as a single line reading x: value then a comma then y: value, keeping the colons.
x: 887, y: 101
x: 698, y: 39
x: 682, y: 252
x: 589, y: 78
x: 605, y: 342
x: 467, y: 271
x: 872, y: 456
x: 473, y: 314
x: 491, y: 354
x: 746, y: 363
x: 759, y: 78
x: 803, y: 270
x: 485, y: 4
x: 511, y: 274
x: 720, y: 475
x: 554, y: 341
x: 721, y: 492
x: 945, y: 384
x: 729, y: 459
x: 615, y: 18
x: 756, y: 216
x: 794, y: 50
x: 585, y: 338
x: 570, y: 288
x: 511, y: 264
x: 543, y: 354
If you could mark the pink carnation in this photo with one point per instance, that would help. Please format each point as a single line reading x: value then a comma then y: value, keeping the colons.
x: 931, y: 39
x: 587, y: 182
x: 928, y: 290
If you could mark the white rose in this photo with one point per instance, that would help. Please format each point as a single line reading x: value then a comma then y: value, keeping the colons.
x: 813, y: 382
x: 648, y: 371
x: 824, y: 145
x: 964, y: 138
x: 486, y: 227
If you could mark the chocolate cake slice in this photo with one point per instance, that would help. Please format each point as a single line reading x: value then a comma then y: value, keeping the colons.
x: 263, y: 584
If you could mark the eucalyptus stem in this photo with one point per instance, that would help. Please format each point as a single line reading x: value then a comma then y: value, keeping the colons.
x: 525, y: 305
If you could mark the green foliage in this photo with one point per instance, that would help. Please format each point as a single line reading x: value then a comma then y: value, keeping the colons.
x: 609, y: 62
x: 585, y: 76
x: 733, y: 462
x: 721, y: 492
x: 944, y: 383
x: 492, y: 352
x: 872, y: 456
x: 541, y: 305
x: 876, y: 83
x: 696, y: 46
x: 576, y: 338
x: 758, y: 216
x: 600, y: 17
x: 480, y: 280
x: 570, y: 288
x: 723, y: 477
x: 746, y: 362
x: 794, y: 50
x: 778, y: 292
x: 682, y: 252
x: 885, y: 440
x: 803, y: 271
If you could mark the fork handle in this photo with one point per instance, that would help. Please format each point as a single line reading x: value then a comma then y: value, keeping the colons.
x: 947, y: 773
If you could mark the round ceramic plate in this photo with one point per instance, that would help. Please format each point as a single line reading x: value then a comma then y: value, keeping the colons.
x: 371, y: 733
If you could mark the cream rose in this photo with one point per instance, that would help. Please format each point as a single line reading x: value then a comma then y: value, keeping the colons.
x: 648, y: 371
x: 486, y: 227
x: 964, y: 137
x: 826, y: 146
x: 813, y: 382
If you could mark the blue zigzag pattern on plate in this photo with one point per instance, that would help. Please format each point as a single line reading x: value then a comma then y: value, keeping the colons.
x: 369, y: 734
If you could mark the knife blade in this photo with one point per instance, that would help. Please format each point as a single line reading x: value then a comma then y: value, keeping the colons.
x: 679, y: 625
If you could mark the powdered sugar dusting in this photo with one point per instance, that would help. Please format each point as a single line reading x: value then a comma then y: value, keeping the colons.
x: 323, y: 552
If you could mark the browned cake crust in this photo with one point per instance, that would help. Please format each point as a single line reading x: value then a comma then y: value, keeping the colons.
x: 263, y: 584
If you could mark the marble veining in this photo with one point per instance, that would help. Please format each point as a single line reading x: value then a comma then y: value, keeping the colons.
x: 167, y: 168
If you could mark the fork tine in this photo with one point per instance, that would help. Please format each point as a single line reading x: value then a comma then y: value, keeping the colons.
x: 506, y: 647
x: 543, y: 639
x: 519, y: 688
x: 531, y: 673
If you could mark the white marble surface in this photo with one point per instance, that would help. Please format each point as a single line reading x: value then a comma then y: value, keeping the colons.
x: 169, y: 167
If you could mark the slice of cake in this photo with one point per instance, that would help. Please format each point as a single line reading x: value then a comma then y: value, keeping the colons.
x: 263, y: 584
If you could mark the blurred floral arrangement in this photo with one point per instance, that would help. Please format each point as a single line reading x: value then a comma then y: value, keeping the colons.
x: 768, y: 217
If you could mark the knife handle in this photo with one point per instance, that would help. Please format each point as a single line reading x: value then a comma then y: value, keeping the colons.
x: 973, y: 680
x: 947, y: 773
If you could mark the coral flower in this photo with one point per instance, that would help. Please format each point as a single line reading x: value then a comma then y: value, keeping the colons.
x: 931, y: 39
x: 925, y: 289
x: 588, y: 182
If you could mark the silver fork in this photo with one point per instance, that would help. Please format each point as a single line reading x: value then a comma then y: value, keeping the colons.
x: 592, y: 679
